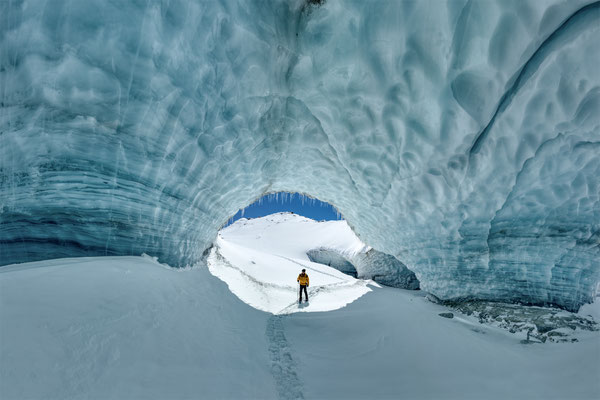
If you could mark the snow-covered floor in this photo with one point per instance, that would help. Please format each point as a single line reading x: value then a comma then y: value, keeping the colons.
x: 128, y: 327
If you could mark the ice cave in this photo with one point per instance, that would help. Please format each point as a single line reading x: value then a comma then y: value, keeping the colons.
x: 460, y: 138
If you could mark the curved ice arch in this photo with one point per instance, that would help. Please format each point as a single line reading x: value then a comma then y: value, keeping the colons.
x: 371, y: 264
x: 141, y: 127
x: 333, y: 259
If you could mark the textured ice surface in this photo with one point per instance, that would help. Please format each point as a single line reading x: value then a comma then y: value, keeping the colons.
x: 461, y: 137
x: 333, y: 259
x: 385, y: 269
x: 540, y: 324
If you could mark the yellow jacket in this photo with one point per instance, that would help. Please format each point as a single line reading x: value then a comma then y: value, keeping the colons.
x: 303, y: 279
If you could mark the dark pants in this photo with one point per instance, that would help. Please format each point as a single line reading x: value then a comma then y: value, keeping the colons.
x: 305, y: 292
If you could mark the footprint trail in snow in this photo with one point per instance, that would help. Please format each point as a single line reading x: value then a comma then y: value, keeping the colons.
x: 283, y: 366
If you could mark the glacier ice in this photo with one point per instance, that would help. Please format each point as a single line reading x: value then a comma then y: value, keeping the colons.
x: 333, y: 259
x: 370, y: 264
x: 461, y: 137
x: 385, y: 269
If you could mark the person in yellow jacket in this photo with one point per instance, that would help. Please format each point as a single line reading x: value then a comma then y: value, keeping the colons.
x: 303, y: 281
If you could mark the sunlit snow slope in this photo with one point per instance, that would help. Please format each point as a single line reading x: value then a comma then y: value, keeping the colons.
x: 461, y: 137
x: 261, y: 258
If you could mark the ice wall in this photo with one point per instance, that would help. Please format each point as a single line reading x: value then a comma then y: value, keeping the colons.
x: 333, y: 259
x: 462, y: 137
x: 385, y: 269
x: 371, y: 264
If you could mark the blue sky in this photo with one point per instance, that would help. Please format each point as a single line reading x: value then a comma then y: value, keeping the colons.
x: 297, y: 203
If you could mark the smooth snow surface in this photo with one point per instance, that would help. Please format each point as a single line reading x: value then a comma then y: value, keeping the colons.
x: 127, y: 328
x: 461, y: 137
x: 130, y: 328
x: 261, y: 258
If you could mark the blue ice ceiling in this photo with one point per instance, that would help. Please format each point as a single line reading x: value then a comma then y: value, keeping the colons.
x: 462, y: 137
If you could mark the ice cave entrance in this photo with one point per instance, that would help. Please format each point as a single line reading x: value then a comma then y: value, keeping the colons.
x: 296, y: 203
x: 261, y: 250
